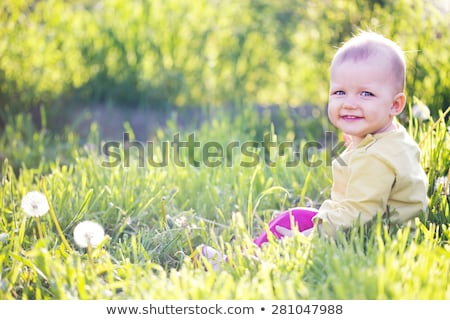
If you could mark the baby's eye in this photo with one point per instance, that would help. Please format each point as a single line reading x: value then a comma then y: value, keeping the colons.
x: 339, y: 93
x: 366, y: 94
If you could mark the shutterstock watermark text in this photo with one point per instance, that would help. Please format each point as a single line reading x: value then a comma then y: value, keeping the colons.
x: 189, y: 151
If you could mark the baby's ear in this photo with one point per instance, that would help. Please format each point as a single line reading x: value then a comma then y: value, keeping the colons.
x: 398, y: 104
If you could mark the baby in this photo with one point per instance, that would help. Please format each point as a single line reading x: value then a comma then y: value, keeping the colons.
x: 380, y: 171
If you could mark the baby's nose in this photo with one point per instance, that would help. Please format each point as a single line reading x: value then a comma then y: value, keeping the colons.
x: 349, y: 103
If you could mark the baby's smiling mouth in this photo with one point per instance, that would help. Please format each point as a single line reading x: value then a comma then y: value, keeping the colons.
x: 350, y: 117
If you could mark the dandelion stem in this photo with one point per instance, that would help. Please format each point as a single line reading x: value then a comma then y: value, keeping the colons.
x: 189, y: 241
x: 163, y: 212
x: 38, y: 224
x: 430, y: 130
x: 91, y: 260
x: 54, y: 218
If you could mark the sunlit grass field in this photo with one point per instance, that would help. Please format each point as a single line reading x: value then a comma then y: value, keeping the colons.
x: 207, y: 179
x: 155, y: 217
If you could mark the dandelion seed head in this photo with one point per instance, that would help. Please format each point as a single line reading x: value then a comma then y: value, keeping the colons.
x: 35, y: 204
x: 88, y: 233
x: 442, y: 182
x: 420, y: 111
x: 4, y: 236
x: 181, y: 222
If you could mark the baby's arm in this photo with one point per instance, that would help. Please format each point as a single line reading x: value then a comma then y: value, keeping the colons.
x: 364, y: 194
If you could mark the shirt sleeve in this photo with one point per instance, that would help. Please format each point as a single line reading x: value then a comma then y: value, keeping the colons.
x: 364, y: 195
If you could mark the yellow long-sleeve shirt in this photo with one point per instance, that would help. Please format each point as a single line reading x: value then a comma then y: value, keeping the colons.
x: 382, y: 174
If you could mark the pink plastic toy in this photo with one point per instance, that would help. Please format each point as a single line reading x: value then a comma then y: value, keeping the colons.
x: 302, y: 218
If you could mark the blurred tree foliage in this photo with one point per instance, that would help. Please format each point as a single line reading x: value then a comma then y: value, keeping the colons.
x: 174, y: 53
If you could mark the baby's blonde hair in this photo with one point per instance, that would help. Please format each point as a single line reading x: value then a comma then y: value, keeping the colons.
x: 369, y: 43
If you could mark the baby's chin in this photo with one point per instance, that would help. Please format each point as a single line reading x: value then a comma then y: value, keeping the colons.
x: 352, y: 137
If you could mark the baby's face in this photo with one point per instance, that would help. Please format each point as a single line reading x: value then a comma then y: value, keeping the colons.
x: 362, y: 97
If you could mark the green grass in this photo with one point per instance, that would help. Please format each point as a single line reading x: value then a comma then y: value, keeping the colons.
x: 145, y: 258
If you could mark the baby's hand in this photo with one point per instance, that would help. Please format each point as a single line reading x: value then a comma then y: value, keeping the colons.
x: 347, y: 139
x: 288, y: 232
x: 284, y: 231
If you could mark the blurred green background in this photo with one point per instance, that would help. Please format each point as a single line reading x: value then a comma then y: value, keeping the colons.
x: 165, y: 55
